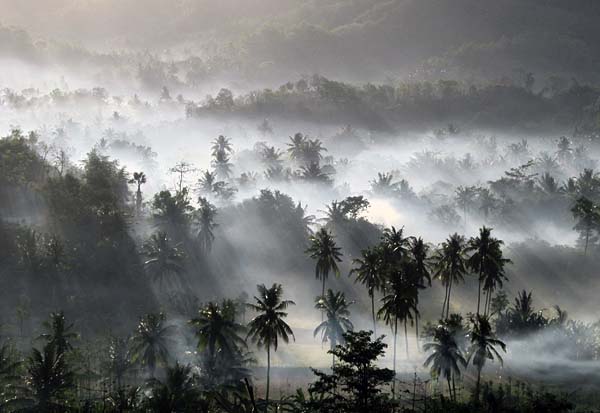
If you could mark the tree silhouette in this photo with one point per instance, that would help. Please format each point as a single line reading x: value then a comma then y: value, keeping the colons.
x: 483, y: 346
x: 164, y: 259
x: 139, y: 178
x: 59, y: 333
x: 369, y: 272
x: 588, y: 220
x: 218, y: 333
x: 324, y: 250
x: 268, y: 326
x: 150, y: 343
x: 204, y: 218
x: 445, y: 358
x: 450, y: 266
x: 337, y: 318
x: 487, y: 262
x: 177, y: 392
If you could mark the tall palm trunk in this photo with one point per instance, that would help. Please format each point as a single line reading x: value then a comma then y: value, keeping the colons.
x: 268, y: 377
x: 394, y: 359
x: 454, y: 386
x: 477, y: 384
x: 448, y: 301
x: 479, y: 293
x: 373, y: 312
x: 445, y: 300
x: 417, y: 332
x: 587, y: 240
x: 406, y: 338
x: 449, y: 387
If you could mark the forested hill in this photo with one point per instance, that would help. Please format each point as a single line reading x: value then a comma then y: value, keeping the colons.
x: 358, y: 40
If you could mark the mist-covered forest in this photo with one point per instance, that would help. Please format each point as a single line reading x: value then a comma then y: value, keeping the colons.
x: 299, y: 206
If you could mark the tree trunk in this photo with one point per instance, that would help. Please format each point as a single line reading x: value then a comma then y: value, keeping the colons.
x: 268, y: 377
x: 587, y: 240
x: 394, y: 359
x: 445, y: 300
x: 448, y: 302
x: 417, y: 332
x: 406, y: 338
x: 373, y: 311
x: 479, y: 293
x: 449, y: 388
x: 454, y: 386
x: 477, y: 384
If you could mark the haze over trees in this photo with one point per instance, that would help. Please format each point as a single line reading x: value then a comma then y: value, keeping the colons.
x: 299, y: 206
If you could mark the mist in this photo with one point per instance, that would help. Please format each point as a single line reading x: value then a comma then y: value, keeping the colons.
x: 161, y: 161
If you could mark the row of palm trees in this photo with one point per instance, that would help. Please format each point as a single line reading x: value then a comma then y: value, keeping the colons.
x: 399, y: 267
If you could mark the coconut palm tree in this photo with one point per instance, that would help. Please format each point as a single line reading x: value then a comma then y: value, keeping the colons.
x: 487, y: 201
x: 206, y: 182
x: 205, y: 220
x: 139, y: 178
x: 337, y: 320
x: 420, y: 272
x: 218, y: 332
x: 465, y: 196
x: 399, y: 303
x: 163, y: 259
x: 395, y: 245
x: 487, y: 262
x: 269, y: 326
x: 48, y: 378
x: 326, y: 253
x: 483, y: 346
x: 296, y: 147
x: 222, y: 164
x: 384, y: 184
x: 150, y: 344
x: 588, y: 219
x: 368, y: 271
x: 59, y: 333
x: 221, y: 144
x: 445, y: 358
x: 450, y: 263
x: 177, y: 392
x: 312, y: 172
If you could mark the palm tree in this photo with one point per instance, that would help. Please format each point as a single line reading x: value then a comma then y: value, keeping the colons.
x: 296, y: 147
x: 139, y: 178
x: 163, y: 259
x: 205, y: 220
x: 445, y: 358
x: 59, y: 333
x: 384, y: 184
x: 313, y: 173
x: 395, y: 244
x: 218, y: 332
x: 48, y: 378
x: 150, y: 344
x: 486, y: 261
x: 399, y: 304
x: 178, y: 391
x: 483, y: 346
x: 222, y: 164
x: 268, y: 326
x: 337, y: 321
x: 450, y: 263
x: 368, y: 270
x: 206, y: 182
x: 324, y: 250
x: 487, y: 201
x: 465, y: 195
x: 588, y: 218
x: 420, y: 274
x: 221, y: 144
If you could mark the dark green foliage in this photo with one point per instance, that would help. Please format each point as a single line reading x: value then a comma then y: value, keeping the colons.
x: 355, y: 383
